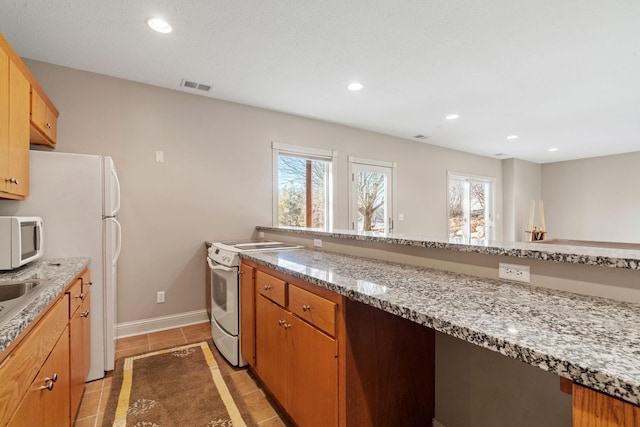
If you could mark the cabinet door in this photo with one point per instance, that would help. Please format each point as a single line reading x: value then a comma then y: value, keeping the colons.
x: 247, y: 314
x: 4, y: 120
x: 314, y: 375
x: 271, y: 347
x: 47, y: 402
x: 18, y: 132
x: 43, y: 120
x: 79, y: 352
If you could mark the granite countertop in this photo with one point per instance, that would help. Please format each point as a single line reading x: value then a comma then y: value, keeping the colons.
x: 592, y: 341
x: 63, y: 271
x: 574, y: 254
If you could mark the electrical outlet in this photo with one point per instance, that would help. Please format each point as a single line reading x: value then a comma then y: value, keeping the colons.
x: 317, y: 243
x: 160, y: 297
x: 519, y: 273
x: 159, y: 156
x: 261, y: 234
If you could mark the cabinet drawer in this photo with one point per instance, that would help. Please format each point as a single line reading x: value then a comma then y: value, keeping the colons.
x: 75, y: 296
x: 314, y: 309
x: 270, y: 287
x: 21, y: 366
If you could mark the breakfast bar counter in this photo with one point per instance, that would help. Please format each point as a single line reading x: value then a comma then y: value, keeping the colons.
x: 592, y: 341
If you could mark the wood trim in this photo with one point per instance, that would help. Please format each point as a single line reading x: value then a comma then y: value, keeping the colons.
x: 595, y: 409
x: 566, y: 385
x: 309, y: 214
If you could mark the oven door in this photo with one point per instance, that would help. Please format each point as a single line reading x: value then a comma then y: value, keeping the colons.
x: 224, y: 296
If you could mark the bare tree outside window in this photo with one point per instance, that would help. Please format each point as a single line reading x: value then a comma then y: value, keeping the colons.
x: 301, y: 191
x: 469, y: 215
x: 371, y: 198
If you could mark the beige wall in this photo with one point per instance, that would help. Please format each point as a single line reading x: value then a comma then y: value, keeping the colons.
x: 522, y: 183
x: 171, y: 208
x: 593, y: 199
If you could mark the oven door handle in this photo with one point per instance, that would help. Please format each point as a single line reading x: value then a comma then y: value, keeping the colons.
x: 219, y: 267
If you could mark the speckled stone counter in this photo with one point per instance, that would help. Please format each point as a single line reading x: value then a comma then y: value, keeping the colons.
x: 602, y: 256
x: 62, y: 270
x: 593, y: 341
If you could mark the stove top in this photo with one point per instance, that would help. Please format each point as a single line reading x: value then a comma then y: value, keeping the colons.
x: 227, y: 253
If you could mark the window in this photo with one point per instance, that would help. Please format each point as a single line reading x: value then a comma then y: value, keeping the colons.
x: 470, y: 208
x: 371, y: 195
x: 303, y: 190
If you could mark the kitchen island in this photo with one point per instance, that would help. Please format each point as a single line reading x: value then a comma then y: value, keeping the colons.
x: 592, y: 341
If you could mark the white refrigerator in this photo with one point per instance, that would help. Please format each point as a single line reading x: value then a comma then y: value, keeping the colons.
x: 78, y: 197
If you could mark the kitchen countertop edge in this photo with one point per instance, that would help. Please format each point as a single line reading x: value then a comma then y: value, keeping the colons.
x: 62, y: 270
x: 587, y: 255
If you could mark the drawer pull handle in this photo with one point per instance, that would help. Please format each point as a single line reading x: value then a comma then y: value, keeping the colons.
x: 267, y: 287
x: 85, y: 313
x: 81, y: 297
x: 280, y: 322
x: 306, y: 307
x: 49, y: 381
x: 89, y: 283
x: 48, y: 385
x: 287, y: 326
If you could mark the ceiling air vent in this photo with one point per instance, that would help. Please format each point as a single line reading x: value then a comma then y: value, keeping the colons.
x: 420, y: 136
x: 194, y: 85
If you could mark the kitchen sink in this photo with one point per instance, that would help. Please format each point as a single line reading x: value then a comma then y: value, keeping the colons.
x: 16, y: 295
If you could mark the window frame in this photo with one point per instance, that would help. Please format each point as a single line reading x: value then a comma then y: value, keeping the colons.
x: 491, y: 205
x: 330, y: 156
x: 392, y: 188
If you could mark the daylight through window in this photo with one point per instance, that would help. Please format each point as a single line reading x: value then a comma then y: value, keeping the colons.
x: 303, y: 189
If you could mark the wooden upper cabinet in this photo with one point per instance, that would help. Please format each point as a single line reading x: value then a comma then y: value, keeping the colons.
x: 14, y: 127
x: 44, y: 119
x: 27, y: 116
x: 4, y: 121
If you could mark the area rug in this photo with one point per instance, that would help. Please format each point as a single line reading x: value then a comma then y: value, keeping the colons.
x: 180, y: 386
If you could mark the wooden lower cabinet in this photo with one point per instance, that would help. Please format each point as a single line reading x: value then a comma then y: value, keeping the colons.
x: 43, y: 372
x: 330, y: 361
x: 313, y: 397
x: 79, y: 351
x: 247, y: 314
x: 47, y: 401
x: 299, y: 365
x: 272, y: 353
x: 594, y: 409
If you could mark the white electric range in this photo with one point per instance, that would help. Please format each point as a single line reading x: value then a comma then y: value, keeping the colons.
x: 224, y: 262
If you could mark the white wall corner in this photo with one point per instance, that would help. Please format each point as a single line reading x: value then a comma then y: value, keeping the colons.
x: 437, y: 423
x: 155, y: 324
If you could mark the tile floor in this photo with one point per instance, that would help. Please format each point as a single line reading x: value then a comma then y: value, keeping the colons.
x: 96, y: 393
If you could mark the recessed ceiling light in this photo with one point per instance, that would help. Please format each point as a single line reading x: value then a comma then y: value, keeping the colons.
x: 159, y: 25
x: 452, y: 117
x: 553, y: 149
x: 512, y: 137
x: 354, y: 86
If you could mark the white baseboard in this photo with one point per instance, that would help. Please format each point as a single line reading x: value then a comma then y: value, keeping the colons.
x: 437, y: 423
x: 155, y: 324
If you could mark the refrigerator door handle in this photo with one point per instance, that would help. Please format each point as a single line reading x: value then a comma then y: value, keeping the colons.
x: 118, y: 242
x: 116, y: 189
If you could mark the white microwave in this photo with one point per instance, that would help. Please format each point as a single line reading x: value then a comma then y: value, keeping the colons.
x: 20, y: 240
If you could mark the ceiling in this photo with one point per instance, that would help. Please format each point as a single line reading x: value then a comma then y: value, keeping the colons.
x: 559, y: 74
